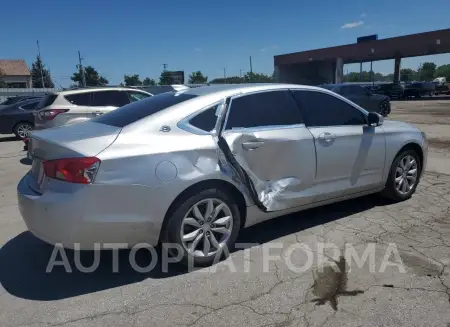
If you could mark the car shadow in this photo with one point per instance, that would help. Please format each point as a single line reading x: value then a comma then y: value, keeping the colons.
x: 26, y: 161
x: 24, y: 259
x: 9, y: 139
x: 423, y: 98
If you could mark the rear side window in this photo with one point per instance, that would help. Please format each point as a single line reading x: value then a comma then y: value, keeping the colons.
x: 140, y: 109
x: 79, y: 99
x: 30, y: 106
x: 47, y: 100
x: 206, y: 120
x: 273, y: 108
x: 109, y: 98
x: 136, y: 96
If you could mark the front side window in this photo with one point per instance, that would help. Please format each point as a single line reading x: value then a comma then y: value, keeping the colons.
x: 322, y: 109
x: 30, y: 106
x: 272, y: 108
x: 109, y: 99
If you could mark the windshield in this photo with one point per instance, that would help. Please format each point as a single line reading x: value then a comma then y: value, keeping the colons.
x: 137, y: 110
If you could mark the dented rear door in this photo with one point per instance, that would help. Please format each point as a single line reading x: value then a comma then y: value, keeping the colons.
x: 265, y: 135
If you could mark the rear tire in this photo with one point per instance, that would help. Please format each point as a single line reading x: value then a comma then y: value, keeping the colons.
x: 22, y: 129
x: 403, y: 176
x: 199, y: 227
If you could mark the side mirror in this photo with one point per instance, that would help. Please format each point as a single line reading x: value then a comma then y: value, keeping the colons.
x: 375, y: 119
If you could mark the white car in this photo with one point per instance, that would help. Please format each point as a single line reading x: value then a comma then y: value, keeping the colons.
x: 73, y: 106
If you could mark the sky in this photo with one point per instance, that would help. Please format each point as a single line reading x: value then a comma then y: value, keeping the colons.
x: 137, y: 37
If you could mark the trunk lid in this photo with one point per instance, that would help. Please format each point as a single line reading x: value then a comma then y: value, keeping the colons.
x: 85, y: 139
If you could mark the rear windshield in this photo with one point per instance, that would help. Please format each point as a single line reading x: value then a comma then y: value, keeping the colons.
x: 46, y: 101
x: 135, y: 111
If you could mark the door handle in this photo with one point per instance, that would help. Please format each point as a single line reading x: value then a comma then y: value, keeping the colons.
x: 251, y: 145
x: 97, y: 113
x: 327, y: 137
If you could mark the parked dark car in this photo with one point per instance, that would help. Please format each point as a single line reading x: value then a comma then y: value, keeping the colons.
x: 392, y: 90
x: 18, y: 118
x: 419, y: 89
x: 19, y: 98
x: 363, y: 97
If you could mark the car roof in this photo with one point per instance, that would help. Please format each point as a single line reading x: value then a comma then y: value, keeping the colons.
x: 233, y: 89
x: 98, y: 89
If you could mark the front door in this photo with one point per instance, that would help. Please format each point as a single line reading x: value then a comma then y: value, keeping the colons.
x: 267, y: 137
x: 350, y: 154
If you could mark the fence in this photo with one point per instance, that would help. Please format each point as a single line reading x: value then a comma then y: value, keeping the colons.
x: 10, y: 92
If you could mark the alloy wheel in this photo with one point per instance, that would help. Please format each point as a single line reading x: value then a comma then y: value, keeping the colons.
x: 22, y: 130
x: 406, y: 174
x: 206, y: 227
x: 384, y: 108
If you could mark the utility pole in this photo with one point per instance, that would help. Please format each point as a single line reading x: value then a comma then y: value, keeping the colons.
x: 251, y: 68
x: 41, y: 68
x: 225, y: 75
x: 80, y: 66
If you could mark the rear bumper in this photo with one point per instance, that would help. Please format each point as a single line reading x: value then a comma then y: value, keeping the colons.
x: 87, y: 216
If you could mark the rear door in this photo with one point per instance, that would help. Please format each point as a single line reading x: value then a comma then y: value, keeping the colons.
x: 105, y: 101
x: 266, y: 135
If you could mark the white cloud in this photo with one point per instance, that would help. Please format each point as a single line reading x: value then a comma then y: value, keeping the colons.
x: 353, y: 25
x: 272, y: 47
x: 363, y: 15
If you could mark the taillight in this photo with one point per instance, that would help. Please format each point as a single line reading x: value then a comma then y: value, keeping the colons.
x: 72, y: 170
x: 50, y: 113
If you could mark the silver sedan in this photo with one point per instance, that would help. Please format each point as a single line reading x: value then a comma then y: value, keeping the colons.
x: 193, y: 167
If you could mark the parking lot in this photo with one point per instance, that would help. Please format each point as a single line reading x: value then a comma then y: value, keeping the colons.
x: 247, y: 289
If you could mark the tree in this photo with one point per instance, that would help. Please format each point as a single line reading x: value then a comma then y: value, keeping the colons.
x: 443, y: 71
x: 148, y: 81
x: 251, y: 77
x: 407, y: 75
x: 427, y: 71
x: 131, y: 80
x: 165, y: 78
x: 228, y: 80
x: 93, y: 78
x: 38, y: 71
x: 197, y: 78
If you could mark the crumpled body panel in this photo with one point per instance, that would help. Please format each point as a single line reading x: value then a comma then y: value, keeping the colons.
x: 278, y: 165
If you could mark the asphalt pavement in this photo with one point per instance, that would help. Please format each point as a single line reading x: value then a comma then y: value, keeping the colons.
x: 395, y: 261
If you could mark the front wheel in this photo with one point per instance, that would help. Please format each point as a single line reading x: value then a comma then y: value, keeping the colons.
x: 384, y: 108
x: 204, y: 227
x: 21, y: 130
x: 403, y: 176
